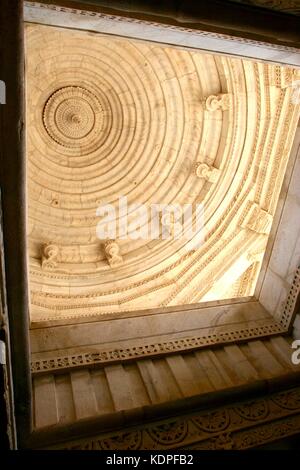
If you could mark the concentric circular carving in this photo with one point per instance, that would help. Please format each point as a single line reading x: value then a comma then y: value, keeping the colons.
x: 73, y: 118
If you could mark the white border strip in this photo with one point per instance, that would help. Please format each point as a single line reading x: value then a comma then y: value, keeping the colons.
x: 54, y: 15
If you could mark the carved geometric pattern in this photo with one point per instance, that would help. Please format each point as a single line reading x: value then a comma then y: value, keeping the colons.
x: 261, y: 421
x: 168, y: 347
x: 283, y: 78
x: 246, y: 439
x: 268, y: 433
x: 290, y: 305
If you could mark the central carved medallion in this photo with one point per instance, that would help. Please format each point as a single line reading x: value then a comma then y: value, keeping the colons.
x: 73, y: 118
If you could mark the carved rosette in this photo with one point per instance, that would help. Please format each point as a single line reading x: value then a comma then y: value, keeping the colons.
x: 73, y: 119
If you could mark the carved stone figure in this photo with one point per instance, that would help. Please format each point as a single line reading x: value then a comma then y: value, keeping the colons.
x: 207, y: 172
x: 49, y: 256
x: 221, y: 101
x: 112, y: 251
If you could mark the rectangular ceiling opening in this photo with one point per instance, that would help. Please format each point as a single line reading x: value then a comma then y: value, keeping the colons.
x: 183, y: 152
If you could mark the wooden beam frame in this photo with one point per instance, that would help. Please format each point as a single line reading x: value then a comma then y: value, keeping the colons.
x: 13, y: 184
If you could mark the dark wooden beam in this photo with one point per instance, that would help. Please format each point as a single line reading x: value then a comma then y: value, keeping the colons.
x: 13, y: 188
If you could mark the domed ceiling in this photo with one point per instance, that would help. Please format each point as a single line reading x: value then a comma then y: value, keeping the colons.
x: 109, y: 117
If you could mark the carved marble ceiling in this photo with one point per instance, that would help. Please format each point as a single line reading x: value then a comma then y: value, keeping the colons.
x: 108, y: 117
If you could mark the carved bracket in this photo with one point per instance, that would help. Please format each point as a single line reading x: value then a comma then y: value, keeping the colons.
x: 209, y: 173
x: 113, y: 253
x: 49, y: 257
x: 256, y: 219
x: 221, y: 101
